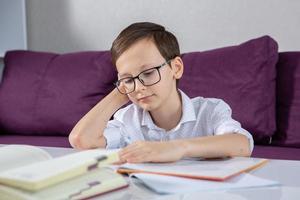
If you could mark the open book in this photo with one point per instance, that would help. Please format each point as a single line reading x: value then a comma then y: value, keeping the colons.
x: 212, y: 169
x: 31, y: 171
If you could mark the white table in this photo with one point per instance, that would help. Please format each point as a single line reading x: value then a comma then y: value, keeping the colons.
x: 287, y: 172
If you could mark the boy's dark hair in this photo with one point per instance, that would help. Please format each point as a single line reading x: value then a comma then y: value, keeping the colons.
x: 165, y: 41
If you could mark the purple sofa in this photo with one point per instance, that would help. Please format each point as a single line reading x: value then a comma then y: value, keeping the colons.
x: 43, y: 95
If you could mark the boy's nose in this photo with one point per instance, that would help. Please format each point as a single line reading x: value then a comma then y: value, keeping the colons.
x: 139, y: 85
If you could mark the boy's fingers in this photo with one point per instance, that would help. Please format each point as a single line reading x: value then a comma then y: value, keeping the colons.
x: 128, y: 155
x: 121, y: 159
x: 135, y: 152
x: 126, y: 149
x: 120, y: 162
x: 129, y: 149
x: 140, y: 158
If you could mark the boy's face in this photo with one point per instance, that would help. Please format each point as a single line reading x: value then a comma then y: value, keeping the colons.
x: 144, y: 55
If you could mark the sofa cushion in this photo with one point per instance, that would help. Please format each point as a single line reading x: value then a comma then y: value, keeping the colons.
x: 46, y: 93
x: 274, y: 152
x: 288, y: 100
x: 243, y: 76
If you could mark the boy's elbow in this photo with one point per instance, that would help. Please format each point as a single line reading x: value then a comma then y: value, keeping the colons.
x: 247, y: 152
x: 75, y: 140
x: 243, y: 151
x: 245, y: 148
x: 242, y: 147
x: 81, y: 142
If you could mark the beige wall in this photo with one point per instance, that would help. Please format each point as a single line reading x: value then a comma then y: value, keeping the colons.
x: 75, y: 25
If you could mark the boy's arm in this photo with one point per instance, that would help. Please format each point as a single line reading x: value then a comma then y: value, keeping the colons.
x: 88, y: 132
x: 231, y: 144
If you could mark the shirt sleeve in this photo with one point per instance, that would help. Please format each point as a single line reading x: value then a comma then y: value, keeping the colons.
x: 223, y: 123
x: 113, y: 134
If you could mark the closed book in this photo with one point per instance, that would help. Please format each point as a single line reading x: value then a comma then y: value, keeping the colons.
x: 96, y: 182
x: 32, y: 168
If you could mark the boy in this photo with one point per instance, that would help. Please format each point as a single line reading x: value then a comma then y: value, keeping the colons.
x: 163, y: 124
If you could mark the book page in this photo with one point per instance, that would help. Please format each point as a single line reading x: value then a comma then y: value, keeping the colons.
x: 13, y: 156
x: 203, y: 169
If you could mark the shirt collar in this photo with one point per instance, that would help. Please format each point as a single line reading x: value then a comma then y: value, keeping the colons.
x: 188, y: 113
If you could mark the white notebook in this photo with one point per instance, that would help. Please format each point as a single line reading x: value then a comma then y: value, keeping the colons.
x: 177, y: 185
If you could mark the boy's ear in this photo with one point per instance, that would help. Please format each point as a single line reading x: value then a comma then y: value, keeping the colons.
x: 177, y: 67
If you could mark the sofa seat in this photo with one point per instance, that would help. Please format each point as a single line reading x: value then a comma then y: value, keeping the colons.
x: 260, y: 151
x: 276, y: 152
x: 50, y: 141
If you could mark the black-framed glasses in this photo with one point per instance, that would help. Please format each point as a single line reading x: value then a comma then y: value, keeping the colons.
x: 147, y: 77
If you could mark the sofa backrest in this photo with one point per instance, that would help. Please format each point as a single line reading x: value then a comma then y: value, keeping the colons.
x: 46, y: 93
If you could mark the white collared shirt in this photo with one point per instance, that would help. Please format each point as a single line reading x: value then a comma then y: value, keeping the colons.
x: 200, y: 117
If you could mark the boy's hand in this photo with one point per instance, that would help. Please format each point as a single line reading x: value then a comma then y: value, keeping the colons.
x: 145, y: 151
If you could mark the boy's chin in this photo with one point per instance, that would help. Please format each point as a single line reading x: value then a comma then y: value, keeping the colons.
x: 147, y: 107
x: 150, y: 106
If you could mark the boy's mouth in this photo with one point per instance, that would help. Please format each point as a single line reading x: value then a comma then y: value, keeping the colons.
x: 145, y: 97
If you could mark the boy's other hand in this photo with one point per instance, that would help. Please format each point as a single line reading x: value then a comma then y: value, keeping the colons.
x: 146, y: 151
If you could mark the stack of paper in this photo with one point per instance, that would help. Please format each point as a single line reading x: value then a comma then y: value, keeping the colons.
x: 177, y: 185
x: 202, y: 175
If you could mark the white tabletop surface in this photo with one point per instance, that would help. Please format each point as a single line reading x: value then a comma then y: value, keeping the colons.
x: 287, y: 172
